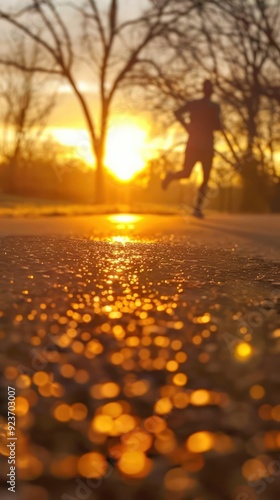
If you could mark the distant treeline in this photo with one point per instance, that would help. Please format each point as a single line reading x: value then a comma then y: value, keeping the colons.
x: 74, y: 182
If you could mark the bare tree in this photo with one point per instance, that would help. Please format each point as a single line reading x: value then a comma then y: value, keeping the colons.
x: 234, y: 43
x: 27, y: 101
x: 243, y: 50
x: 261, y: 21
x: 112, y: 46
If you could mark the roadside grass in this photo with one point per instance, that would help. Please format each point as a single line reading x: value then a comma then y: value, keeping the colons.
x: 18, y: 206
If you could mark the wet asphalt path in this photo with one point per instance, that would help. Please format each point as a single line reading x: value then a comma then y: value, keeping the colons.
x: 145, y: 355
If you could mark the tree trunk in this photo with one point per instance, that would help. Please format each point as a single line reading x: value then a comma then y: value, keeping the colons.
x: 97, y: 145
x: 254, y: 187
x: 99, y: 152
x: 99, y: 181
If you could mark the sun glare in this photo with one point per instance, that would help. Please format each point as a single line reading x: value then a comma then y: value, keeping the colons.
x: 125, y: 151
x: 78, y: 142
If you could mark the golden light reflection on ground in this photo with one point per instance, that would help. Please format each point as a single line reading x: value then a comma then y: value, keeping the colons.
x: 123, y: 371
x: 124, y: 219
x: 121, y: 239
x: 126, y: 227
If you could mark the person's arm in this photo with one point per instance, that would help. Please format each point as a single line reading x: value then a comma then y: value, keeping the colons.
x: 180, y: 112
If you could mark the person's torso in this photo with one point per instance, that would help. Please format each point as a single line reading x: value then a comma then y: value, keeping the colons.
x: 204, y: 116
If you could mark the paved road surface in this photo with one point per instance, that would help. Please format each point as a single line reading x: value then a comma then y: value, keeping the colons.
x: 145, y: 356
x: 259, y: 234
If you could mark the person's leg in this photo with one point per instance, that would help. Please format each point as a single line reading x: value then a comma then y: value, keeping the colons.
x: 206, y: 160
x: 189, y: 162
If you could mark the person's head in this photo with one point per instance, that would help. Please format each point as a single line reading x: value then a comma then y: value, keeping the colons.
x: 207, y: 88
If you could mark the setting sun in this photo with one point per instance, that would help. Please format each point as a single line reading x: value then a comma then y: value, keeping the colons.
x: 125, y: 151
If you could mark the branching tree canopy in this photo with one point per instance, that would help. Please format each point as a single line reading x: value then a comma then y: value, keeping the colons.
x: 26, y: 102
x: 166, y: 49
x: 243, y: 39
x: 236, y: 44
x: 112, y: 47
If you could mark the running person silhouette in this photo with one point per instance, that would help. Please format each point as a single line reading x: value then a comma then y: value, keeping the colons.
x: 204, y: 119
